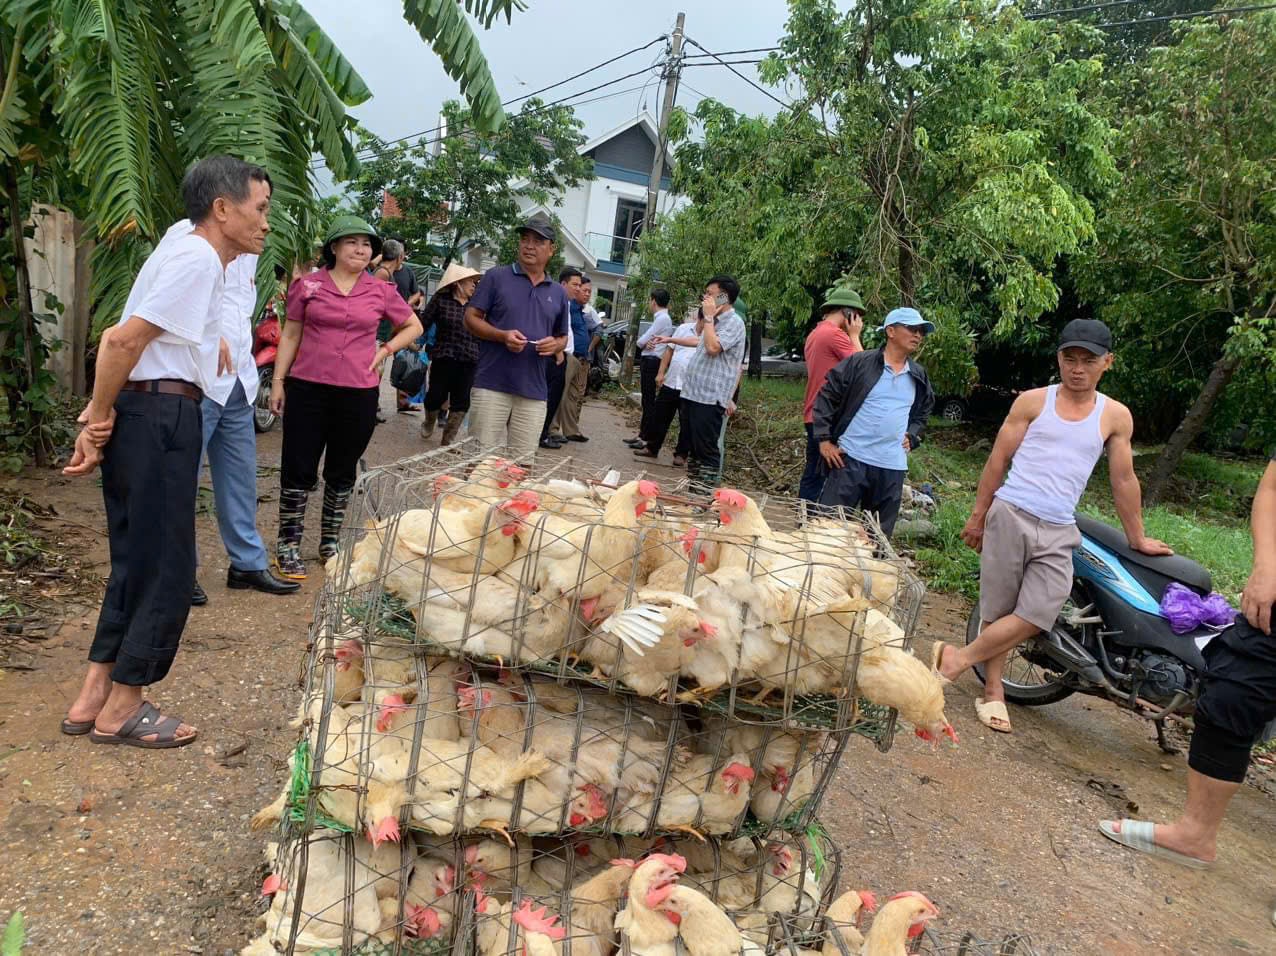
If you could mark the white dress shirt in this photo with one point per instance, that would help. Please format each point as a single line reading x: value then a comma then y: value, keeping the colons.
x: 179, y: 290
x: 681, y: 356
x: 238, y: 305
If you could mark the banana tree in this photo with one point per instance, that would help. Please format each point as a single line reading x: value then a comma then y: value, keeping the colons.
x: 105, y: 104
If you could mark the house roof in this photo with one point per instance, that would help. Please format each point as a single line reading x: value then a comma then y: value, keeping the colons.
x: 644, y: 120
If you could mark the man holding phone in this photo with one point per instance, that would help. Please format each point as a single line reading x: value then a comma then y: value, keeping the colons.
x: 520, y: 315
x: 710, y: 378
x: 869, y: 415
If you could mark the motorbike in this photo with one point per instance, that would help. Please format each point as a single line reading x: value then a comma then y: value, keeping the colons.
x: 265, y: 348
x: 1110, y: 639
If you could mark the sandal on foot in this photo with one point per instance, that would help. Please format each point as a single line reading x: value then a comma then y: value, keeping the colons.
x: 76, y: 728
x: 146, y: 721
x: 1137, y: 835
x: 993, y: 715
x: 936, y: 656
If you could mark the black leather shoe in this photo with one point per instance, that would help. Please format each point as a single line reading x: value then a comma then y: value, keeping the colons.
x: 553, y: 443
x: 262, y: 581
x: 635, y: 443
x: 577, y: 438
x: 198, y: 597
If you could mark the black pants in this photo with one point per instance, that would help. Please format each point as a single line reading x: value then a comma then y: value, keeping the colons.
x: 866, y: 487
x: 149, y: 472
x: 815, y: 472
x: 648, y: 369
x: 1237, y: 701
x: 329, y: 422
x: 450, y: 381
x: 555, y: 379
x: 704, y: 427
x: 666, y: 407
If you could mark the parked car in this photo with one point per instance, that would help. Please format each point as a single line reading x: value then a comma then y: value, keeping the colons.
x: 985, y: 403
x: 782, y: 363
x: 614, y: 334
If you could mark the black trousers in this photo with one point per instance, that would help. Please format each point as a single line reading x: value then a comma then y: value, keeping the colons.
x: 704, y: 427
x: 555, y: 379
x: 149, y: 484
x: 1238, y: 699
x: 450, y: 381
x: 866, y: 487
x: 648, y: 369
x: 663, y: 412
x: 813, y: 475
x: 331, y: 422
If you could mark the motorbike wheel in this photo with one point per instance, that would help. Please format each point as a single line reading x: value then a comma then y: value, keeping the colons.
x: 1025, y: 683
x: 263, y: 418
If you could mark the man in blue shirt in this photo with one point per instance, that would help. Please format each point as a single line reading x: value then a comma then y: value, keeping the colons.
x: 869, y: 415
x: 567, y: 422
x: 519, y: 314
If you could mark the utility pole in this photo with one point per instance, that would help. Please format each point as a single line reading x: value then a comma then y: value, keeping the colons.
x: 670, y: 75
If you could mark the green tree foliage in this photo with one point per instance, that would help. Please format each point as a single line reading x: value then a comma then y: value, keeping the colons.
x: 1186, y: 267
x: 468, y: 185
x: 105, y: 105
x: 944, y: 154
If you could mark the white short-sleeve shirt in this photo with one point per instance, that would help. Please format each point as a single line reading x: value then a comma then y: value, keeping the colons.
x: 238, y: 305
x: 179, y: 289
x: 681, y: 356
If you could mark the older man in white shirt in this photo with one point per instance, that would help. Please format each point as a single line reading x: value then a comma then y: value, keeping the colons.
x: 144, y: 427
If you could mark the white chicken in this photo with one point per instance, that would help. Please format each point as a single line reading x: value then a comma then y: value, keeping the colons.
x: 454, y: 537
x: 647, y: 931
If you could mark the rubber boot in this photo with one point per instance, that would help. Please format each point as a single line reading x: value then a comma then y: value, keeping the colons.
x: 427, y: 426
x: 335, y: 502
x: 292, y: 524
x: 453, y: 426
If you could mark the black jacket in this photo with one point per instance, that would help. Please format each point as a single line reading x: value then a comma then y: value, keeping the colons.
x: 849, y: 383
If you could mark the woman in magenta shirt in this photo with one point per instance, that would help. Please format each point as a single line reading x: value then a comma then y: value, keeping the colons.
x: 327, y: 380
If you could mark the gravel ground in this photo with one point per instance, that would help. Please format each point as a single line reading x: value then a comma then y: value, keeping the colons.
x: 126, y: 851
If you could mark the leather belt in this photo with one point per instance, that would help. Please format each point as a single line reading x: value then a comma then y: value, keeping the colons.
x: 165, y: 386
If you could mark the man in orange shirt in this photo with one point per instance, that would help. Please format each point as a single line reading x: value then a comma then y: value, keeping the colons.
x: 836, y: 336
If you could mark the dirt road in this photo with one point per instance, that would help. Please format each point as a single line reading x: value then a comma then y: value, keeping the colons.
x: 125, y: 851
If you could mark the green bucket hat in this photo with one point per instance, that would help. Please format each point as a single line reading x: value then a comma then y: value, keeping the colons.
x: 348, y: 225
x: 842, y: 297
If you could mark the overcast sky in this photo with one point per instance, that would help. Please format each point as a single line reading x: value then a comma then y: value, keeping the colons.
x: 550, y: 41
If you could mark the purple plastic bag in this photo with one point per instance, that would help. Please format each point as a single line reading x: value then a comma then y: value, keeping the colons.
x: 1186, y: 610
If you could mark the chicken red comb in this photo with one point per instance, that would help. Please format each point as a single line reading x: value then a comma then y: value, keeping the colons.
x: 347, y: 653
x: 648, y: 489
x: 449, y: 880
x: 471, y: 854
x: 741, y: 771
x: 535, y: 921
x: 386, y: 830
x: 422, y: 922
x: 442, y: 481
x: 530, y: 497
x: 391, y: 705
x: 517, y: 472
x: 632, y: 864
x: 951, y: 733
x: 868, y: 900
x: 706, y: 627
x: 730, y: 497
x: 597, y: 800
x: 671, y: 860
x: 273, y: 884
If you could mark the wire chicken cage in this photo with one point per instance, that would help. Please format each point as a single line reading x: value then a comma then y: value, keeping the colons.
x: 797, y: 937
x: 753, y: 610
x: 442, y: 747
x: 337, y: 893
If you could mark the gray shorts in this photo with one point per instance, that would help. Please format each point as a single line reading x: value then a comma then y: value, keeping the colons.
x: 1025, y: 567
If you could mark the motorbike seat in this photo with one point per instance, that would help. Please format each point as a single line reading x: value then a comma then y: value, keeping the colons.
x: 1173, y: 566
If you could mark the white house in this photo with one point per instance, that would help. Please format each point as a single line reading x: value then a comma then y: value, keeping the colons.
x: 602, y: 218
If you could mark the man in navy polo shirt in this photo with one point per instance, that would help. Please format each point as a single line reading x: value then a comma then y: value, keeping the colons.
x: 520, y: 316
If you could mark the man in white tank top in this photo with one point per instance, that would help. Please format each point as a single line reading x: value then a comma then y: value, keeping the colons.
x: 1024, y: 529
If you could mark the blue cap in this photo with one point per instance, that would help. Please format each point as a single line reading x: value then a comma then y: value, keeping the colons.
x: 907, y: 316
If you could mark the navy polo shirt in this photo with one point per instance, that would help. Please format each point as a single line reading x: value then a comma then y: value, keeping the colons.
x: 510, y: 301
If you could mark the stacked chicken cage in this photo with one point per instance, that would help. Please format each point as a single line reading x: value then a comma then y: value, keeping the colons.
x: 523, y: 685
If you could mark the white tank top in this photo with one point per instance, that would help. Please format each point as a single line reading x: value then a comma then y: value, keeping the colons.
x: 1053, y: 464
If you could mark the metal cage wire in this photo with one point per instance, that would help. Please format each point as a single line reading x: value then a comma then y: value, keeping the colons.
x: 435, y: 591
x: 797, y: 936
x: 338, y: 894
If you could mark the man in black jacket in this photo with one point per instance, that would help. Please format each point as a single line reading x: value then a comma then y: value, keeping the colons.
x: 869, y: 415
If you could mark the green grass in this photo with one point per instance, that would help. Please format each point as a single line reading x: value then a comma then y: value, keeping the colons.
x: 1205, y: 518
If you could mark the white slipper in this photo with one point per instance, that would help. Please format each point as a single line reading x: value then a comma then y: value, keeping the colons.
x: 1137, y: 835
x: 936, y: 655
x: 989, y: 711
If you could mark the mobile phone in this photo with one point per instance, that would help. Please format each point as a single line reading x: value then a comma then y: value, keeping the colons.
x: 721, y: 299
